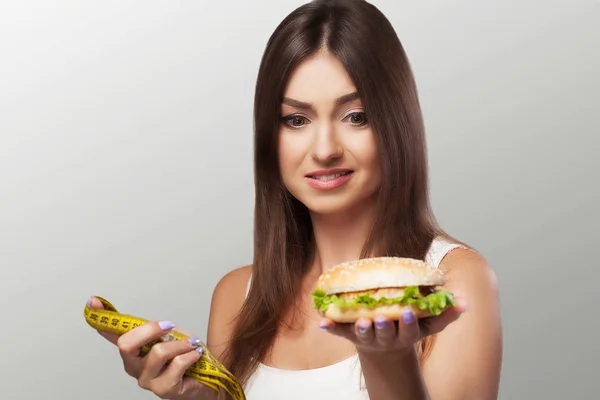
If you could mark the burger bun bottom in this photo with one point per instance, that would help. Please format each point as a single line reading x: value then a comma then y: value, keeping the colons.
x: 350, y: 315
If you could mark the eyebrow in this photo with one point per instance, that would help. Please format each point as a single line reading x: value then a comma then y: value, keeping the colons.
x: 307, y: 106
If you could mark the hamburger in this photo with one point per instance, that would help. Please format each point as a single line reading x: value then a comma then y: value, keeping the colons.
x: 385, y: 286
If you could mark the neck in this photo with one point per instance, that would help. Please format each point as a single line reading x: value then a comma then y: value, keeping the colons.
x: 340, y: 237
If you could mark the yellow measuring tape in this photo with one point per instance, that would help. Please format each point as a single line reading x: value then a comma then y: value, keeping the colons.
x: 207, y: 370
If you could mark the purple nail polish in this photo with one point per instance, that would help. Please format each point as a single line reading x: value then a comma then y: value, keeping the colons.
x: 323, y: 326
x: 194, y: 341
x: 200, y: 350
x: 166, y: 325
x: 381, y: 324
x: 89, y: 301
x: 363, y: 329
x: 408, y: 317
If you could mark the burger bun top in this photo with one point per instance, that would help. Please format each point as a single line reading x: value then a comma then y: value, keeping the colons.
x: 378, y: 272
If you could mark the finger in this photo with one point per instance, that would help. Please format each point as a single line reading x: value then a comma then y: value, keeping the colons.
x: 326, y: 324
x: 408, y: 328
x: 131, y: 342
x: 363, y: 330
x: 111, y: 337
x: 162, y: 353
x: 186, y: 333
x: 343, y: 330
x: 173, y: 375
x: 385, y: 330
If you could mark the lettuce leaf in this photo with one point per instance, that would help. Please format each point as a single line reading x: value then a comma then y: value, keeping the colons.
x: 435, y: 303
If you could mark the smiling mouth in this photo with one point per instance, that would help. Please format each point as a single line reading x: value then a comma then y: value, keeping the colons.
x: 329, y: 177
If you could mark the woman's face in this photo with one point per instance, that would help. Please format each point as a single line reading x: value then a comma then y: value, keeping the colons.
x: 327, y: 150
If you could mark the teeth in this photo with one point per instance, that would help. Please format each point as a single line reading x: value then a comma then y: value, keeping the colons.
x: 330, y: 177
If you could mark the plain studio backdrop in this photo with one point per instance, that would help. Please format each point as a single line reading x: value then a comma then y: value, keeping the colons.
x: 126, y: 172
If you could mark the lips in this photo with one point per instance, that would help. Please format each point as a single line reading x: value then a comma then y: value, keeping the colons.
x: 329, y: 173
x: 329, y: 177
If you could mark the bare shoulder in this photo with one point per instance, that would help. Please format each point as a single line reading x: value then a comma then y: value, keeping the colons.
x: 470, y: 276
x: 472, y: 345
x: 466, y: 268
x: 227, y: 300
x: 232, y: 285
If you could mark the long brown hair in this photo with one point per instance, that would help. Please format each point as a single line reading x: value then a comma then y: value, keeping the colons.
x: 366, y: 43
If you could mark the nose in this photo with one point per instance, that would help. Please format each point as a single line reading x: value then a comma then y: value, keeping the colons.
x: 326, y: 145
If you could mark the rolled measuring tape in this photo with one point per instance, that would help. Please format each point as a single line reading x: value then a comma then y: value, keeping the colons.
x: 207, y: 370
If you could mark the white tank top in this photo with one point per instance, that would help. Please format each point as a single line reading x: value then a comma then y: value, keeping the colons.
x: 340, y: 381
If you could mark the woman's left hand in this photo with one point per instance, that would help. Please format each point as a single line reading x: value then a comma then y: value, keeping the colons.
x: 384, y: 335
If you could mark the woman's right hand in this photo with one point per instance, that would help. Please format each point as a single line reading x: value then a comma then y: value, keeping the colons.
x: 161, y: 371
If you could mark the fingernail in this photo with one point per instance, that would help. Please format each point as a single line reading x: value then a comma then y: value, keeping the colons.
x: 323, y: 326
x: 194, y: 341
x: 200, y: 350
x: 381, y: 324
x: 408, y: 317
x: 89, y: 301
x: 363, y: 329
x: 166, y: 325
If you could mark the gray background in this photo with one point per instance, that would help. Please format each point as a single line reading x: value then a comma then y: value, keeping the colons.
x: 126, y: 172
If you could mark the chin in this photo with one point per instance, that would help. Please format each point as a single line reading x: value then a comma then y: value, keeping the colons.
x: 335, y: 205
x: 329, y: 206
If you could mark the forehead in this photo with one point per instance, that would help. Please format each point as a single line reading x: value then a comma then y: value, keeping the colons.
x: 321, y: 78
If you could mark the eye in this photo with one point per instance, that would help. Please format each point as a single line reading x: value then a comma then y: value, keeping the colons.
x: 356, y: 118
x: 295, y: 121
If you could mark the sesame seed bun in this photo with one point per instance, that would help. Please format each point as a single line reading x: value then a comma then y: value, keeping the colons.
x: 377, y: 273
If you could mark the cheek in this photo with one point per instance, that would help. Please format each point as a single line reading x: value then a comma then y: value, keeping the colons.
x: 370, y: 154
x: 364, y: 149
x: 290, y: 153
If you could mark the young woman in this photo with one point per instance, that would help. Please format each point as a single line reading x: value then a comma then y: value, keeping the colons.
x: 341, y: 173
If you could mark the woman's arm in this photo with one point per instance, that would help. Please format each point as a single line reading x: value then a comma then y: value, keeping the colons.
x: 466, y: 358
x: 394, y: 375
x: 227, y: 300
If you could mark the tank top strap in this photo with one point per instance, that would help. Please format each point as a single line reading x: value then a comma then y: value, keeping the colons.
x: 439, y: 248
x: 248, y: 284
